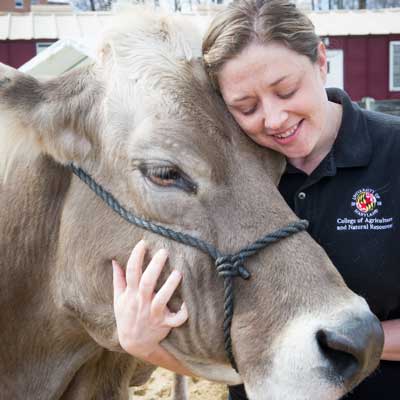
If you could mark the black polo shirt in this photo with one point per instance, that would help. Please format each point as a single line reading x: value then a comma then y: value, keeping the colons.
x: 351, y: 201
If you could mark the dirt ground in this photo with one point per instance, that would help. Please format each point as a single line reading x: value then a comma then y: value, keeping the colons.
x: 160, y: 387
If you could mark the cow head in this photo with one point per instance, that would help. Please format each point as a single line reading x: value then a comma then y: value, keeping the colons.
x: 146, y: 124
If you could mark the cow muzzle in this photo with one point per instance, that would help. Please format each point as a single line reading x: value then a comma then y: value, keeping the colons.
x: 352, y: 350
x: 318, y: 356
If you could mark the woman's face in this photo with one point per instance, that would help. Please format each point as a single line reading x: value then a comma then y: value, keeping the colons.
x: 278, y: 98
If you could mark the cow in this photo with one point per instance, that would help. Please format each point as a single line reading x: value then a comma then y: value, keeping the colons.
x: 144, y: 122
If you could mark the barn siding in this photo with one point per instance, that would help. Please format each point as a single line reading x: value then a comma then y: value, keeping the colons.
x: 378, y: 67
x: 366, y: 65
x: 365, y: 70
x: 4, y: 52
x: 18, y: 52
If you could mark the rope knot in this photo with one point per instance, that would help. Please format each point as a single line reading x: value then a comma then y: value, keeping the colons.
x: 231, y: 266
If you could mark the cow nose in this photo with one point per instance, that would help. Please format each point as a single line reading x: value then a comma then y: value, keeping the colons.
x: 353, y: 350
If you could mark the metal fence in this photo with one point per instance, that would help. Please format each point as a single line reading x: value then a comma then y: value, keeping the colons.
x: 385, y: 106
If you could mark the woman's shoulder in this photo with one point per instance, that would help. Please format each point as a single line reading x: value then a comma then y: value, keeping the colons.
x: 383, y: 131
x: 380, y: 126
x: 384, y: 120
x: 383, y: 127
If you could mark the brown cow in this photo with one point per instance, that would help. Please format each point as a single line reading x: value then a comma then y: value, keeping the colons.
x: 145, y: 123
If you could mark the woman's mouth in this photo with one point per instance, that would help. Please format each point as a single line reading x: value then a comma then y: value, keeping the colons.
x: 288, y: 135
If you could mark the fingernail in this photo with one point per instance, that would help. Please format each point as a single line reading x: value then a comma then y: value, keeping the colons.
x: 114, y: 263
x: 141, y: 243
x: 176, y: 273
x: 163, y: 252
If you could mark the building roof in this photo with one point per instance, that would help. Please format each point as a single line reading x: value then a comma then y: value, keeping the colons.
x: 51, y: 26
x: 89, y: 24
x: 356, y: 22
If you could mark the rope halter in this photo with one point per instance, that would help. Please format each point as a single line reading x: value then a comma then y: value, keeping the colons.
x: 228, y: 266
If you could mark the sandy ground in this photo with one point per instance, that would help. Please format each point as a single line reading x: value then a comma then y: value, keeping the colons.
x: 160, y: 387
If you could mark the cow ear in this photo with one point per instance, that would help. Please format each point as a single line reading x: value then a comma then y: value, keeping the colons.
x: 58, y: 117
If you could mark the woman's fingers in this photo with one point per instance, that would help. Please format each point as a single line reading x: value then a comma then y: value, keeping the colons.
x: 174, y: 320
x: 135, y: 266
x: 144, y: 284
x: 163, y: 296
x: 150, y: 276
x: 119, y: 282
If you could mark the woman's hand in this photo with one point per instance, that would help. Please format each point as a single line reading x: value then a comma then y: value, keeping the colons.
x: 391, y: 349
x: 142, y: 316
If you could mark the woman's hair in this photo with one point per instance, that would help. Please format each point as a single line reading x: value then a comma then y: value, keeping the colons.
x: 262, y: 21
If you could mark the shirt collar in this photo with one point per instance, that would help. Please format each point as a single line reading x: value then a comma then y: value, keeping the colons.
x: 353, y: 145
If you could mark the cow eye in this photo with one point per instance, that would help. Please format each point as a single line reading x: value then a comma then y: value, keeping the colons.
x: 163, y: 176
x: 168, y: 176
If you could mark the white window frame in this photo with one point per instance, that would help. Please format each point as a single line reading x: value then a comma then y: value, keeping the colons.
x: 335, y: 61
x: 40, y: 46
x: 392, y: 87
x: 19, y: 3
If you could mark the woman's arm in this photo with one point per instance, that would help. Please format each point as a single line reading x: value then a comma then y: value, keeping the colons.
x: 162, y: 358
x: 391, y: 348
x: 142, y: 316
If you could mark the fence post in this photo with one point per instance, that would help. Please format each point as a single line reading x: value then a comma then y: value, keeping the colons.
x: 368, y: 102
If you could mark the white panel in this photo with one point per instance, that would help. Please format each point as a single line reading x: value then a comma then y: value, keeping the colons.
x: 44, y: 27
x: 89, y: 24
x: 56, y: 59
x: 356, y: 22
x: 394, y: 66
x: 4, y: 26
x: 335, y: 69
x: 21, y: 27
x: 68, y: 26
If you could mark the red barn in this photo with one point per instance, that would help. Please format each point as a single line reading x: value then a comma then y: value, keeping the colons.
x: 363, y: 45
x: 371, y: 65
x: 364, y: 50
x: 23, y: 36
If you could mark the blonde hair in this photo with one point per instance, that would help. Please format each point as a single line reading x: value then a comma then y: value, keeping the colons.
x: 262, y: 21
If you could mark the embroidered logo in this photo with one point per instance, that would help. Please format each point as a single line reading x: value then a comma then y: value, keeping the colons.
x: 366, y: 203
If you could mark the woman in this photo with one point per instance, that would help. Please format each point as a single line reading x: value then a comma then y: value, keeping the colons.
x: 270, y: 68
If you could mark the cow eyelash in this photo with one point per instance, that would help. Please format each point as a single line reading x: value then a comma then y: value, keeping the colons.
x: 165, y: 173
x: 168, y: 176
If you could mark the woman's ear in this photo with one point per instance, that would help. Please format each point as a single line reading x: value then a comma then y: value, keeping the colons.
x: 322, y: 62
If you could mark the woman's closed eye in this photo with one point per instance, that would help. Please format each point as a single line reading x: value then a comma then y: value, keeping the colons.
x: 248, y: 111
x: 286, y: 95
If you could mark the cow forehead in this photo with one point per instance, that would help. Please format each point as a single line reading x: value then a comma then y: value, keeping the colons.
x: 151, y: 58
x: 176, y: 108
x: 154, y: 73
x: 160, y: 100
x: 140, y: 37
x: 179, y: 144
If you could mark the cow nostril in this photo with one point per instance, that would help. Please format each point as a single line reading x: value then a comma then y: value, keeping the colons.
x: 353, y: 349
x: 343, y: 355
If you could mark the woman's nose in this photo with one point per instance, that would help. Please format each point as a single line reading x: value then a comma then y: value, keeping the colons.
x: 274, y: 117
